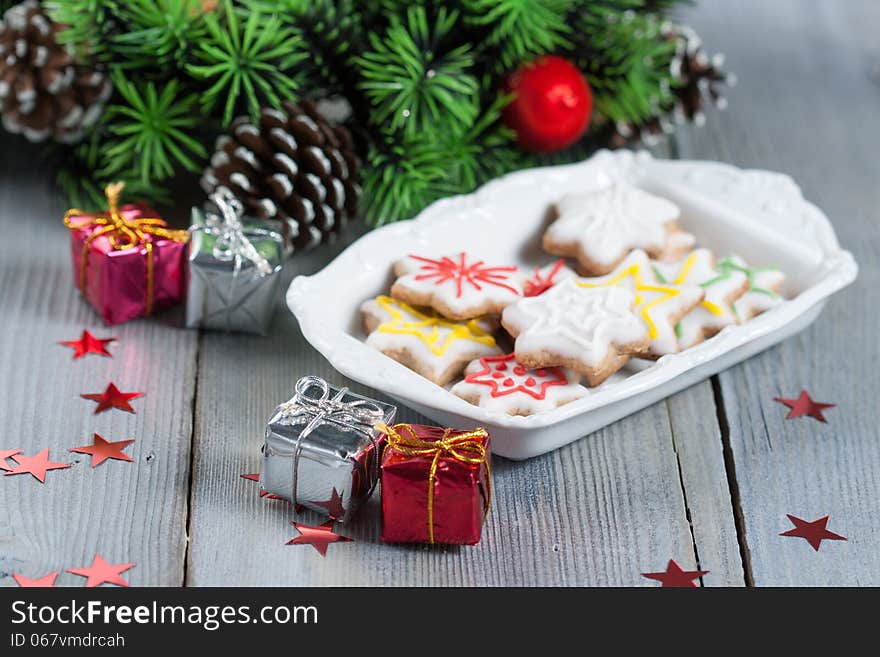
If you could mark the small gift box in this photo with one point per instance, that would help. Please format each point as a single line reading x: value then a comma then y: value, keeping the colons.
x: 436, y: 484
x: 234, y: 271
x: 322, y: 448
x: 126, y: 262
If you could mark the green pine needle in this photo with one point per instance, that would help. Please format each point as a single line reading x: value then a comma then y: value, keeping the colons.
x: 153, y: 131
x: 520, y: 29
x: 412, y: 81
x: 250, y: 62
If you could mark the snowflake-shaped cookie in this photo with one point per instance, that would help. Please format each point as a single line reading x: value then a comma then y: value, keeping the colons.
x: 764, y: 291
x: 435, y: 347
x: 600, y: 228
x: 592, y: 331
x: 723, y: 286
x: 659, y: 305
x: 500, y: 383
x: 541, y: 279
x: 458, y: 286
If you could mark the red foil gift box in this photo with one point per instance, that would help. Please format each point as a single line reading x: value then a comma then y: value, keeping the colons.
x: 126, y: 262
x: 436, y: 484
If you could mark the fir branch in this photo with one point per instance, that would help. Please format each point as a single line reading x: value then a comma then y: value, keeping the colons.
x: 412, y: 81
x: 91, y: 25
x: 77, y: 175
x: 626, y: 59
x: 333, y: 30
x: 250, y: 64
x: 402, y: 178
x: 520, y: 30
x: 152, y: 130
x: 159, y: 33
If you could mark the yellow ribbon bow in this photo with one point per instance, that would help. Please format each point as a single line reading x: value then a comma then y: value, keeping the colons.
x: 123, y: 234
x: 461, y: 447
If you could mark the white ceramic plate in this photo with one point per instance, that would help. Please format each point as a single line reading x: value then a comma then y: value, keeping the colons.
x: 759, y: 215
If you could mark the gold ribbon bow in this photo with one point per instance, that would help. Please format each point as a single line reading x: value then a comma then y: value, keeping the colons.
x: 123, y: 234
x: 461, y: 447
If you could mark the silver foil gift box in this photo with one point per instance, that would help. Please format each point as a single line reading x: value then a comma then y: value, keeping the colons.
x: 234, y: 269
x: 322, y: 449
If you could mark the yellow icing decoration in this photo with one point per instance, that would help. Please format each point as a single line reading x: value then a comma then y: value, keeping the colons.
x: 427, y: 327
x: 682, y: 277
x: 635, y: 272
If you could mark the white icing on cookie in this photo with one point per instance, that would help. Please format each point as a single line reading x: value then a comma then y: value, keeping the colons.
x: 659, y: 306
x: 721, y: 287
x: 434, y: 346
x: 459, y: 286
x: 575, y: 322
x: 499, y: 383
x: 609, y: 223
x: 763, y: 294
x: 540, y: 279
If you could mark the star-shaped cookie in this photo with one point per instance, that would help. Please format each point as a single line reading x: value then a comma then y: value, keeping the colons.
x: 722, y: 287
x: 659, y: 305
x: 458, y: 286
x: 599, y: 228
x: 500, y: 383
x: 591, y: 331
x: 435, y: 347
x: 764, y: 292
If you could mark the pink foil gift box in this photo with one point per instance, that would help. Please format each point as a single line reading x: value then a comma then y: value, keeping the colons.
x: 126, y: 262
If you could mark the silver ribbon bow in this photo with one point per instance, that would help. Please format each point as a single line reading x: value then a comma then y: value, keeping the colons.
x: 359, y: 416
x: 231, y: 242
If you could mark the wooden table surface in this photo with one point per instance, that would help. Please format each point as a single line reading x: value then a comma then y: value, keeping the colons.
x: 705, y: 477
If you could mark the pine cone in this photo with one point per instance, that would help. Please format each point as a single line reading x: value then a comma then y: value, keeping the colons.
x: 698, y: 78
x: 43, y: 91
x: 292, y: 167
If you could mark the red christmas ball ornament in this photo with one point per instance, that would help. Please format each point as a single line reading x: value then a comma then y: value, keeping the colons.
x: 551, y: 105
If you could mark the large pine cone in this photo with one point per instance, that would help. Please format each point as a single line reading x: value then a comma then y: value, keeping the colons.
x: 292, y: 167
x: 43, y: 91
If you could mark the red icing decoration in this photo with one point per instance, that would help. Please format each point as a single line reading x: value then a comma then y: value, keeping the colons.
x: 530, y: 386
x: 447, y: 269
x: 539, y: 284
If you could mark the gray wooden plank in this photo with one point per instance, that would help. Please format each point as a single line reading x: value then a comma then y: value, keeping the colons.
x: 597, y: 512
x: 125, y: 511
x: 807, y: 104
x: 697, y: 442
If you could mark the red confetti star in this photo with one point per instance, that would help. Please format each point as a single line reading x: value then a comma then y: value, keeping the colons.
x: 804, y: 405
x: 37, y: 465
x: 112, y: 397
x: 101, y: 572
x: 89, y: 344
x: 101, y: 450
x: 814, y: 532
x: 263, y: 493
x: 675, y: 577
x: 7, y: 454
x: 318, y: 537
x: 333, y: 506
x: 40, y: 583
x: 446, y: 269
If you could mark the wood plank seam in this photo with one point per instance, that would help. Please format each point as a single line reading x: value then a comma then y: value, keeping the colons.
x: 687, y: 508
x: 192, y: 460
x: 730, y: 469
